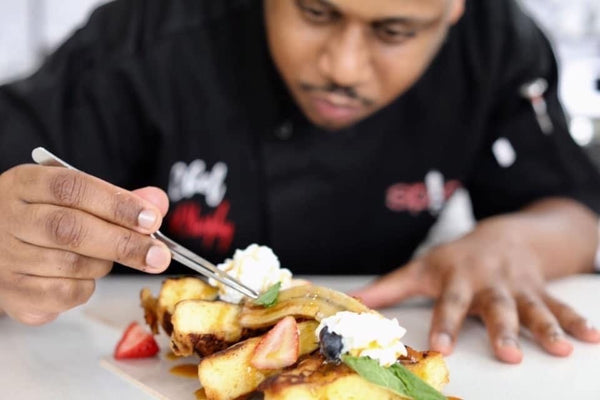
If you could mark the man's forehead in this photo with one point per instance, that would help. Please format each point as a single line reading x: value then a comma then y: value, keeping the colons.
x: 377, y: 10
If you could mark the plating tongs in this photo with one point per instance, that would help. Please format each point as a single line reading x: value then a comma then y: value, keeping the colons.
x: 186, y: 257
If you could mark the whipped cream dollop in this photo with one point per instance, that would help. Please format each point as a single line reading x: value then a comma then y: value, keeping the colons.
x: 256, y: 267
x: 366, y: 335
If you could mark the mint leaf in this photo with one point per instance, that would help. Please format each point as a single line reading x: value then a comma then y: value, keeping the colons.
x: 416, y: 387
x: 396, y: 378
x: 269, y: 298
x: 375, y: 373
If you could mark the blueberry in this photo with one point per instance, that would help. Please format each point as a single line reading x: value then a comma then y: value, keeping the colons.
x: 331, y: 344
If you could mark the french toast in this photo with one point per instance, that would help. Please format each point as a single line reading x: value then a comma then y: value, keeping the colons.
x: 158, y: 311
x: 315, y: 378
x: 226, y: 336
x: 229, y: 374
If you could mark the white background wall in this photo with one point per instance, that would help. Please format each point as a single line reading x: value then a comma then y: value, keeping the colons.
x: 30, y: 27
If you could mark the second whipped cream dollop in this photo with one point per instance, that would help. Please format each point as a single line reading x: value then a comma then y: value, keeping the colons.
x: 257, y: 267
x: 363, y: 335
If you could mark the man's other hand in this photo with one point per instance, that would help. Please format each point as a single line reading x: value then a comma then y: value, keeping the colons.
x: 495, y: 274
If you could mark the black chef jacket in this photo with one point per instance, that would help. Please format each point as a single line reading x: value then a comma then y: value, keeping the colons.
x: 182, y: 94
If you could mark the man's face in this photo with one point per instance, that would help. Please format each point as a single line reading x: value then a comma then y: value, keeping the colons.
x: 343, y: 60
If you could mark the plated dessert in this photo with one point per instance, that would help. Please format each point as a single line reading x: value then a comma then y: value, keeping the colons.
x: 297, y: 341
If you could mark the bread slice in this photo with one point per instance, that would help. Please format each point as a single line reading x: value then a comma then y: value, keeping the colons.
x: 205, y: 327
x: 314, y: 378
x: 228, y: 374
x: 158, y: 311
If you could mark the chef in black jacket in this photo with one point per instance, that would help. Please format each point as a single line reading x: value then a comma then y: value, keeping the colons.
x: 333, y: 131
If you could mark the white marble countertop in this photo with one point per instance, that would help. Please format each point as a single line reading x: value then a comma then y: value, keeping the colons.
x: 62, y: 360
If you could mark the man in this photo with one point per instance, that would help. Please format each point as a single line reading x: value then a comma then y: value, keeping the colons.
x: 333, y: 131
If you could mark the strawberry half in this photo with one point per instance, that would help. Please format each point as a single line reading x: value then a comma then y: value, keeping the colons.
x: 136, y: 343
x: 279, y: 347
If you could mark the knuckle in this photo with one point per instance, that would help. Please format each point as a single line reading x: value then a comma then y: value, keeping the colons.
x: 126, y: 210
x: 455, y: 299
x: 104, y: 269
x: 575, y: 323
x: 501, y: 328
x: 99, y: 269
x: 446, y: 327
x: 70, y: 263
x: 63, y: 290
x: 65, y: 229
x: 21, y: 174
x: 68, y: 188
x: 127, y: 247
x: 85, y: 291
x: 545, y: 328
x: 72, y: 292
x: 492, y: 297
x: 528, y: 304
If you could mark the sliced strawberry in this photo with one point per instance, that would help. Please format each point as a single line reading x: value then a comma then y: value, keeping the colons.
x: 136, y: 343
x: 279, y: 347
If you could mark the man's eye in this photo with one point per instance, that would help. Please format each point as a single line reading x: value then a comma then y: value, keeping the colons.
x: 393, y: 36
x: 315, y: 13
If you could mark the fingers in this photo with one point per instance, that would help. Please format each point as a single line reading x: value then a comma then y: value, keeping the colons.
x: 498, y: 311
x: 572, y: 322
x: 77, y: 190
x: 392, y: 288
x: 449, y: 313
x: 53, y: 263
x: 544, y: 326
x: 155, y: 196
x: 82, y: 233
x: 32, y: 318
x: 36, y: 300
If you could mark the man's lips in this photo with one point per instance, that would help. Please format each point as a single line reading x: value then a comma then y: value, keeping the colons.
x: 336, y: 107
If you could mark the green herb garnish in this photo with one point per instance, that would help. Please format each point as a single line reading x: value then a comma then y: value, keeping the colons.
x: 396, y: 378
x: 269, y: 298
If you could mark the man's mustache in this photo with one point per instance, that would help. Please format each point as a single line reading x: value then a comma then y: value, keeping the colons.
x: 347, y: 91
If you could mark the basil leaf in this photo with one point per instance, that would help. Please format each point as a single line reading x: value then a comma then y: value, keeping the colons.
x: 269, y: 298
x: 396, y: 378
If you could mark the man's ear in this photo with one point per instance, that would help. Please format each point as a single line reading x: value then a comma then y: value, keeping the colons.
x: 457, y: 9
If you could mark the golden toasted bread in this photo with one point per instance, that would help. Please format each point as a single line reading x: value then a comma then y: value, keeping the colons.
x: 427, y: 365
x: 205, y: 327
x: 314, y: 378
x: 229, y: 374
x: 158, y: 311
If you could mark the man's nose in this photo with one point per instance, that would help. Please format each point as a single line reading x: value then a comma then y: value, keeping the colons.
x: 345, y: 58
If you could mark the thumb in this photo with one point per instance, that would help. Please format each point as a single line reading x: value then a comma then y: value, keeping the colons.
x: 155, y: 196
x: 392, y: 288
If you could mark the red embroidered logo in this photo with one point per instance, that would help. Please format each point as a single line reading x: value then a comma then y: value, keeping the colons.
x: 214, y: 229
x: 416, y: 197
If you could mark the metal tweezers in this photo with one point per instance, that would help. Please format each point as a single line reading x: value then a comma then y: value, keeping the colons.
x: 186, y: 257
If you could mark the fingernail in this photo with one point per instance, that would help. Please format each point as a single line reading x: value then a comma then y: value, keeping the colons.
x: 508, y: 342
x: 556, y: 337
x: 443, y: 341
x: 158, y: 258
x: 589, y: 327
x: 147, y: 219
